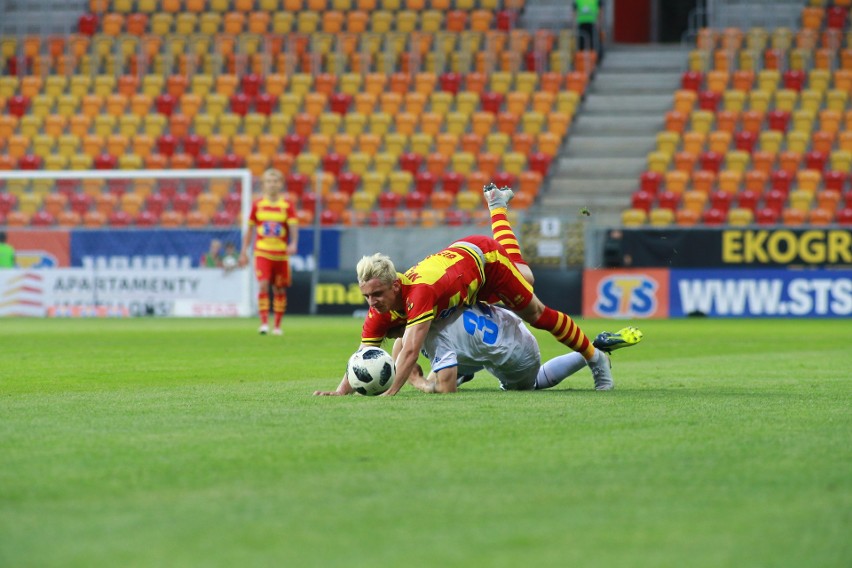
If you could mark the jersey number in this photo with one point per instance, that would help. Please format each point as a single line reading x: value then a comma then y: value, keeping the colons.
x: 272, y: 229
x: 473, y: 322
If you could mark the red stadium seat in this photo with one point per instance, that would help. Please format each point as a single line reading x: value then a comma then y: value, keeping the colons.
x: 333, y: 163
x: 721, y: 201
x: 29, y: 162
x: 146, y: 219
x: 747, y: 199
x: 155, y: 203
x: 389, y: 200
x: 119, y: 219
x: 348, y: 182
x: 539, y: 162
x: 410, y: 162
x: 7, y: 203
x: 17, y: 105
x: 714, y: 217
x: 650, y: 181
x: 668, y: 200
x: 193, y: 144
x: 264, y: 104
x: 293, y: 144
x: 232, y: 204
x: 206, y: 162
x: 424, y: 182
x: 232, y: 161
x: 340, y: 102
x: 642, y: 200
x: 834, y: 180
x: 691, y: 81
x: 781, y: 180
x: 166, y: 145
x: 452, y: 182
x: 775, y: 200
x: 250, y: 84
x: 844, y: 216
x: 42, y: 219
x: 222, y: 219
x: 183, y: 203
x: 745, y: 140
x: 165, y: 104
x: 815, y: 160
x: 296, y: 183
x: 491, y: 102
x: 415, y: 201
x: 240, y: 103
x: 450, y: 82
x: 778, y: 120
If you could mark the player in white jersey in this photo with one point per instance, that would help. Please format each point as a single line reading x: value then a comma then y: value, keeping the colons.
x: 491, y: 338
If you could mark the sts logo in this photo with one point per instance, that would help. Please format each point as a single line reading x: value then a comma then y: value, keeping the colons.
x: 625, y: 293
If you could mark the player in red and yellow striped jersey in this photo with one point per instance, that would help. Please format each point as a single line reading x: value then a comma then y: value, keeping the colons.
x: 274, y: 221
x: 475, y: 267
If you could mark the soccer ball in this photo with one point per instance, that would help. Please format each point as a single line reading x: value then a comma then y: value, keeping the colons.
x: 370, y: 371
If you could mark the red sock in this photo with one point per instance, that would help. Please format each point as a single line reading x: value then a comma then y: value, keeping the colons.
x: 563, y: 328
x: 279, y: 306
x: 503, y: 234
x: 263, y: 306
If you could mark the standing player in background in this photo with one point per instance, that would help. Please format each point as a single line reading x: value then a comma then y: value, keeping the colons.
x: 475, y: 268
x: 274, y: 221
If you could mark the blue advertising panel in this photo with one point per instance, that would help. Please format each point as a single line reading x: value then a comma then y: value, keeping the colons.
x: 761, y: 293
x: 178, y: 248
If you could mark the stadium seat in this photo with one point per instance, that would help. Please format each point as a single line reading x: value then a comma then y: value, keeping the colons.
x: 633, y: 217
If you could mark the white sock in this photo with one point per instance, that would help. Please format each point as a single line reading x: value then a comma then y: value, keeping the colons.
x: 558, y: 369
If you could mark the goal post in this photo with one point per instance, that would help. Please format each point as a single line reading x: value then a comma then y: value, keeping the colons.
x: 34, y: 200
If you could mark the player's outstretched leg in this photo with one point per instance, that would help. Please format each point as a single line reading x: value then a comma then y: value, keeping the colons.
x: 601, y: 366
x: 501, y: 229
x: 625, y: 337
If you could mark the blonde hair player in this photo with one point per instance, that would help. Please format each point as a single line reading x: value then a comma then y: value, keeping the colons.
x: 272, y: 220
x: 475, y: 268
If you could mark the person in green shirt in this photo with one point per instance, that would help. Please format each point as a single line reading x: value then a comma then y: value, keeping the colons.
x: 7, y: 253
x: 587, y: 15
x: 213, y: 257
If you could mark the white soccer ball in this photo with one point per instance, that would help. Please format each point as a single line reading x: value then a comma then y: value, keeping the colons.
x: 370, y: 371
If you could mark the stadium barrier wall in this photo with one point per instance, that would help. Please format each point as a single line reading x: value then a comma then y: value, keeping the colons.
x: 728, y: 293
x: 338, y: 293
x: 776, y: 272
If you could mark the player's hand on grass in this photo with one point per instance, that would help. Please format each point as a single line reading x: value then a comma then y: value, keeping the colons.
x: 330, y: 393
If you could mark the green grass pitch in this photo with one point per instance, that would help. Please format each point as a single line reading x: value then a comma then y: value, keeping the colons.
x: 199, y: 443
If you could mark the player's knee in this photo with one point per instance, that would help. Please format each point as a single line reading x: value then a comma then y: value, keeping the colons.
x: 533, y: 311
x: 527, y: 274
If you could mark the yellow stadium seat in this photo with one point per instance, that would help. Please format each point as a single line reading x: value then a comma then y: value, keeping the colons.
x: 633, y: 217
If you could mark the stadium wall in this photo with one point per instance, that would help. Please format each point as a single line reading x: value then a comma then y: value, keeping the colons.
x: 731, y: 272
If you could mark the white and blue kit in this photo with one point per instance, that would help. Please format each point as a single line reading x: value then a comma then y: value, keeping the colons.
x: 491, y: 338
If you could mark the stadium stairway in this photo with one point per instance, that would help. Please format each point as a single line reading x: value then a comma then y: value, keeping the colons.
x: 615, y: 129
x: 18, y: 17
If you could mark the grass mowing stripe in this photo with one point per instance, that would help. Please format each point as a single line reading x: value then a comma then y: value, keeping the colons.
x: 195, y: 442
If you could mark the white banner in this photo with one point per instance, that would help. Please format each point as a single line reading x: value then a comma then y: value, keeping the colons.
x: 81, y: 292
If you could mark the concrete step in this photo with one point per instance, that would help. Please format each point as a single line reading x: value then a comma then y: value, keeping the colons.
x: 600, y: 168
x: 605, y: 188
x: 627, y: 104
x: 645, y: 60
x: 635, y: 83
x: 617, y: 146
x: 631, y: 125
